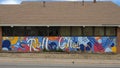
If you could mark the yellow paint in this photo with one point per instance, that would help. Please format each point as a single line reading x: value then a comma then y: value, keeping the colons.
x: 114, y: 49
x: 36, y: 43
x: 66, y: 45
x: 21, y: 38
x: 4, y: 38
x: 13, y: 40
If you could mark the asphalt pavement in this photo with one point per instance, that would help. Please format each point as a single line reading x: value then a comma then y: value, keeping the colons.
x: 29, y: 65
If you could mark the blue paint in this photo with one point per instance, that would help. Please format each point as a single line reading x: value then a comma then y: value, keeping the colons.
x: 52, y: 46
x: 6, y: 44
x: 87, y: 48
x: 88, y: 44
x: 82, y: 47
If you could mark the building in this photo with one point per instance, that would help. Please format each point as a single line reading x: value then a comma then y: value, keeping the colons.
x: 60, y: 26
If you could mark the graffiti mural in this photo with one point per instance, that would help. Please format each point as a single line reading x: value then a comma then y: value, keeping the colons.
x: 68, y: 44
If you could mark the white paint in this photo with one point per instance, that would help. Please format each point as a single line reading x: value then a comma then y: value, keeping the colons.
x: 83, y: 40
x: 5, y: 49
x: 46, y: 45
x: 31, y: 40
x: 64, y: 43
x: 108, y: 49
x: 100, y: 41
x: 43, y: 43
x: 59, y: 42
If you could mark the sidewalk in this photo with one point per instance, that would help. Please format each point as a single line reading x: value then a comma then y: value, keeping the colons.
x: 56, y: 61
x: 52, y: 58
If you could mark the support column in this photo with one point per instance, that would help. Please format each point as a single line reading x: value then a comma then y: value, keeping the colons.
x: 0, y: 38
x: 118, y: 40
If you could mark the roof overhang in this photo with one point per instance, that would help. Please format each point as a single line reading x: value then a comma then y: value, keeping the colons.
x: 60, y: 14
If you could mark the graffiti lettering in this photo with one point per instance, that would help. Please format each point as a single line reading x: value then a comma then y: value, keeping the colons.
x: 87, y: 44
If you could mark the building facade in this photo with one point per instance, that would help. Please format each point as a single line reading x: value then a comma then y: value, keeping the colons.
x: 60, y: 26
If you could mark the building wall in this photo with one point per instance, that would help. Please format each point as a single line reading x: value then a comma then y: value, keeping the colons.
x: 40, y: 43
x: 118, y: 40
x: 0, y: 38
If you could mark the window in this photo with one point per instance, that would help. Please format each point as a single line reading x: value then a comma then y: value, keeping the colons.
x: 99, y: 31
x: 7, y: 31
x: 58, y: 31
x: 31, y: 31
x: 18, y: 31
x: 76, y: 31
x: 88, y: 31
x: 42, y: 31
x: 110, y: 31
x: 24, y: 31
x: 53, y: 31
x: 65, y: 31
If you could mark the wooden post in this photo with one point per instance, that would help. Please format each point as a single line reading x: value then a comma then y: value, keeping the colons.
x: 118, y: 40
x: 0, y: 38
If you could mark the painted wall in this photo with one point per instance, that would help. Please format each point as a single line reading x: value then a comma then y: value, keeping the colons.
x: 39, y: 43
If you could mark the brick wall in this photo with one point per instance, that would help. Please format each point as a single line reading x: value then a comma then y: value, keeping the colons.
x: 118, y: 40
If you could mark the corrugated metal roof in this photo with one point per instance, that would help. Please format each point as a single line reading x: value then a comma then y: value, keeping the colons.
x: 60, y: 14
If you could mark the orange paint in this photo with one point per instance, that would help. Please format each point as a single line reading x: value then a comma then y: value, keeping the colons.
x: 53, y: 38
x: 97, y: 38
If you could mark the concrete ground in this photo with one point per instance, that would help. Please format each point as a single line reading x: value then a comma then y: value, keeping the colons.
x: 56, y: 61
x: 58, y: 55
x: 59, y: 59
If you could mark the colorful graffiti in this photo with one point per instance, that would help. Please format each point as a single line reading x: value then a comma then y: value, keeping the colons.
x: 82, y: 44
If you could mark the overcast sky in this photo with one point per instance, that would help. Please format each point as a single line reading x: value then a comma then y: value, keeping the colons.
x: 19, y: 1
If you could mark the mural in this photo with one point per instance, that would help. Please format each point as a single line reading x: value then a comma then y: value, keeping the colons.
x: 67, y: 44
